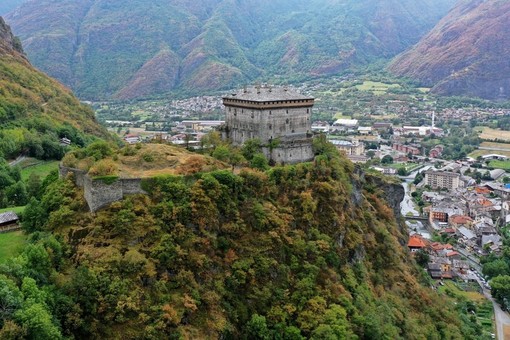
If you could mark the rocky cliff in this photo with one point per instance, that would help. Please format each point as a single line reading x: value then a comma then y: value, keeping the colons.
x: 8, y: 43
x: 465, y: 54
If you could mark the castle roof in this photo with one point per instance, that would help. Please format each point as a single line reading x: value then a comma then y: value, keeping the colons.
x: 267, y: 94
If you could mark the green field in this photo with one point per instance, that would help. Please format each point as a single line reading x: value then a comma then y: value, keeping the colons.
x: 10, y: 244
x: 41, y: 168
x: 505, y: 165
x: 408, y: 166
x: 376, y: 87
x: 17, y: 210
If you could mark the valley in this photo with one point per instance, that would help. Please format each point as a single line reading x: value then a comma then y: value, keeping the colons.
x: 142, y: 210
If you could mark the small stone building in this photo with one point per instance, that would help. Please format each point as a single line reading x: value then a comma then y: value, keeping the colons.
x: 279, y: 117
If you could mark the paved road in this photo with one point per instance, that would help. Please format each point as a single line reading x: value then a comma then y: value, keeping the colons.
x: 502, y: 318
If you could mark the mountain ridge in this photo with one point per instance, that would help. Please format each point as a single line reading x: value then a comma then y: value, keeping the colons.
x: 118, y: 49
x: 463, y: 54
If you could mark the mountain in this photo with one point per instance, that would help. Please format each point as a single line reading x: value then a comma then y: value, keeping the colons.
x: 132, y: 48
x: 35, y: 110
x: 465, y: 54
x: 8, y: 5
x: 306, y: 251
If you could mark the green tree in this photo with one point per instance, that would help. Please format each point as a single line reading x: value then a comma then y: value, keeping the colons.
x: 38, y: 322
x: 500, y: 286
x: 16, y: 194
x: 221, y: 153
x: 387, y: 160
x: 259, y: 161
x: 257, y: 328
x: 34, y: 216
x: 495, y: 268
x: 250, y: 148
x: 34, y: 184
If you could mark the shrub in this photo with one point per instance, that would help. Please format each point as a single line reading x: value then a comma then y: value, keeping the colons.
x: 104, y: 167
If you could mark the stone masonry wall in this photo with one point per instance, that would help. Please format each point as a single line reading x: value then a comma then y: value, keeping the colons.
x: 99, y: 194
x: 79, y: 175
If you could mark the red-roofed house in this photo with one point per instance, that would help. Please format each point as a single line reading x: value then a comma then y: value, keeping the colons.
x: 460, y: 220
x: 416, y: 242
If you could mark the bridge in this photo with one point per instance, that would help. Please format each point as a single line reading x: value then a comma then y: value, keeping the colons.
x: 423, y: 219
x: 417, y: 218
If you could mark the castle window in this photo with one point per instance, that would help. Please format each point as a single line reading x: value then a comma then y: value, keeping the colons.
x: 287, y: 121
x: 287, y: 111
x: 307, y: 110
x: 269, y: 112
x: 270, y: 126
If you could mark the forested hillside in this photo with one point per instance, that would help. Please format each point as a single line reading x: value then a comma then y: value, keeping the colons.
x: 465, y: 54
x: 35, y: 110
x: 130, y: 48
x: 304, y: 251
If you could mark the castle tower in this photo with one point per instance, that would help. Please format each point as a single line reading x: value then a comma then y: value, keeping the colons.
x: 279, y: 117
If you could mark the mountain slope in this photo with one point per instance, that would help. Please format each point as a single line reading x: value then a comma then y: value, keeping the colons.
x: 132, y: 48
x: 35, y: 110
x: 465, y: 54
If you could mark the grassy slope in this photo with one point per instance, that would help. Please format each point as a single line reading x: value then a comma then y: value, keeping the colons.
x: 10, y: 244
x: 41, y: 168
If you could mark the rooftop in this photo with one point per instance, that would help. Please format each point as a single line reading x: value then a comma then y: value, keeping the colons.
x: 9, y: 216
x: 267, y: 94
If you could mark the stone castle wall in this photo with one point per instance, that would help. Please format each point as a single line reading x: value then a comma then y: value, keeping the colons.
x: 99, y: 194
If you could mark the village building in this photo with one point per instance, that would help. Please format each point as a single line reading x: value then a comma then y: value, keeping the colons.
x: 350, y: 148
x: 9, y: 220
x: 442, y: 179
x: 132, y: 139
x: 416, y: 242
x: 320, y: 126
x: 406, y: 149
x: 279, y: 117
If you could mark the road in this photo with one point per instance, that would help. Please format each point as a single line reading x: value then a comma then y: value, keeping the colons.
x: 17, y: 160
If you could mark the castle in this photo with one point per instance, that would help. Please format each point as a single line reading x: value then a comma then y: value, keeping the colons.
x: 279, y: 117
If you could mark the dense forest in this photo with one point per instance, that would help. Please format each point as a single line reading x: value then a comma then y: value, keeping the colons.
x: 311, y: 250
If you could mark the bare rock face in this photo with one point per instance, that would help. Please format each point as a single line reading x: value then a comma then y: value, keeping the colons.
x: 8, y: 42
x: 465, y: 54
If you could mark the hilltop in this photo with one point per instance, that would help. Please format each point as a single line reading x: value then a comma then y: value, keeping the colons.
x: 311, y: 250
x: 35, y: 110
x: 465, y: 53
x: 131, y: 49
